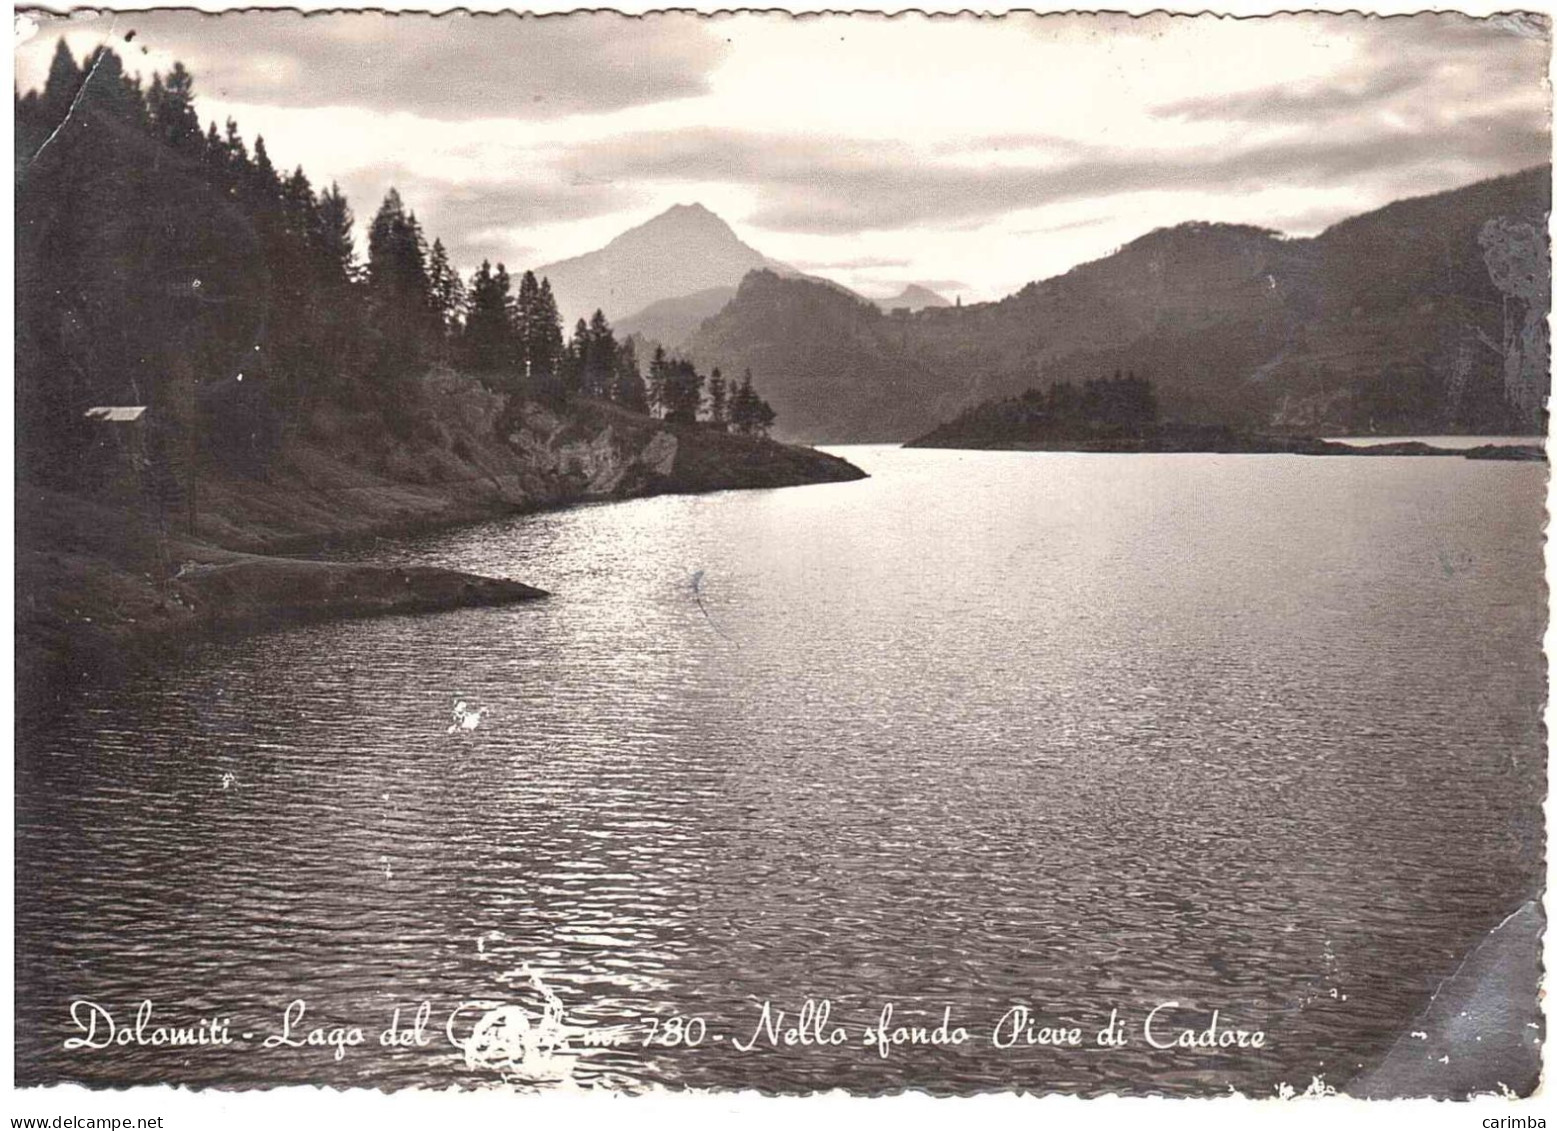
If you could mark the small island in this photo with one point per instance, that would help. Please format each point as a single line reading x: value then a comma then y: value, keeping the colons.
x: 1120, y: 414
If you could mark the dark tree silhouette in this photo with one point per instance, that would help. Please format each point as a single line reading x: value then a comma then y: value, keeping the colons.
x: 163, y: 265
x: 629, y: 391
x: 683, y: 392
x: 718, y: 401
x: 750, y: 415
x: 489, y: 340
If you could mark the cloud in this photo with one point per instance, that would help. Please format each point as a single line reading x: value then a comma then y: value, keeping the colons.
x: 1065, y: 226
x: 1419, y: 59
x: 1284, y: 104
x: 456, y: 67
x: 486, y: 220
x: 897, y: 150
x: 829, y: 186
x: 861, y: 263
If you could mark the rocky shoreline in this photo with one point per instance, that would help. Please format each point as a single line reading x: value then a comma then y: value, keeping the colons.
x: 103, y: 583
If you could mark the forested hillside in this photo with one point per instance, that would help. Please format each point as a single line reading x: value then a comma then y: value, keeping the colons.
x: 207, y: 367
x: 1427, y: 315
x: 162, y: 265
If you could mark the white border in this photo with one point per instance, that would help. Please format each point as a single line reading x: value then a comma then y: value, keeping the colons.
x: 314, y: 1107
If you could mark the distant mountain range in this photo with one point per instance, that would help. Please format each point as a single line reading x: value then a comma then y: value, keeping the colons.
x: 671, y: 321
x: 1427, y: 315
x: 680, y: 255
x: 661, y: 280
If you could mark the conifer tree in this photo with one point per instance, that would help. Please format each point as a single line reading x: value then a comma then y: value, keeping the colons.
x: 214, y: 152
x: 763, y: 418
x: 599, y: 358
x: 659, y: 371
x: 743, y: 406
x: 62, y: 85
x: 105, y: 88
x: 683, y: 393
x: 337, y: 245
x: 575, y: 358
x: 628, y: 390
x: 749, y: 414
x: 266, y: 182
x: 399, y: 290
x: 489, y: 332
x: 174, y: 114
x: 543, y: 339
x: 525, y: 314
x: 237, y: 154
x: 448, y: 290
x: 717, y: 400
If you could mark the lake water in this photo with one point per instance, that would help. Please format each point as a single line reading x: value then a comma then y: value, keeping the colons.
x: 1256, y: 734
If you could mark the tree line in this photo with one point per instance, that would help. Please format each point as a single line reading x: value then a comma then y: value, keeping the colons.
x: 1123, y: 405
x: 164, y: 265
x: 1123, y: 401
x: 518, y: 336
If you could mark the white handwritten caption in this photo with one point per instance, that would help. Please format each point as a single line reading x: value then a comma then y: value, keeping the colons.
x: 510, y: 1037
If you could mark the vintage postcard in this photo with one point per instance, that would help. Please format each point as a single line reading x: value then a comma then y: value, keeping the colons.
x: 741, y: 553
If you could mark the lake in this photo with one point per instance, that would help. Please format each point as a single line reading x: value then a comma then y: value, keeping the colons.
x: 1080, y: 733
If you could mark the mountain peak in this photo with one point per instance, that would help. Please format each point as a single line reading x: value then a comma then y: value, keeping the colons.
x: 915, y: 296
x: 684, y: 250
x: 680, y: 223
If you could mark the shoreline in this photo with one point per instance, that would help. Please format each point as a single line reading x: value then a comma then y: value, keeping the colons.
x: 1237, y: 444
x: 106, y: 583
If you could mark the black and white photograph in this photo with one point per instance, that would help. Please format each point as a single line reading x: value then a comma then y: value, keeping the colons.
x: 749, y: 553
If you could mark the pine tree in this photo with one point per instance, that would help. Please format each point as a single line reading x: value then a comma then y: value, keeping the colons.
x: 489, y: 332
x: 659, y: 372
x: 156, y: 100
x: 628, y: 390
x: 526, y: 316
x: 237, y: 154
x: 575, y: 358
x: 266, y: 183
x: 175, y: 115
x: 214, y: 153
x: 337, y: 246
x: 448, y: 290
x: 62, y: 86
x: 717, y: 399
x: 683, y: 393
x: 748, y: 413
x: 399, y: 289
x: 300, y: 208
x: 105, y: 88
x: 599, y: 359
x: 762, y: 418
x: 418, y: 255
x: 543, y: 339
x: 742, y: 411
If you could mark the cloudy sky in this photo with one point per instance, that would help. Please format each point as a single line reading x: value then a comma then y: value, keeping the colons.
x: 970, y: 155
